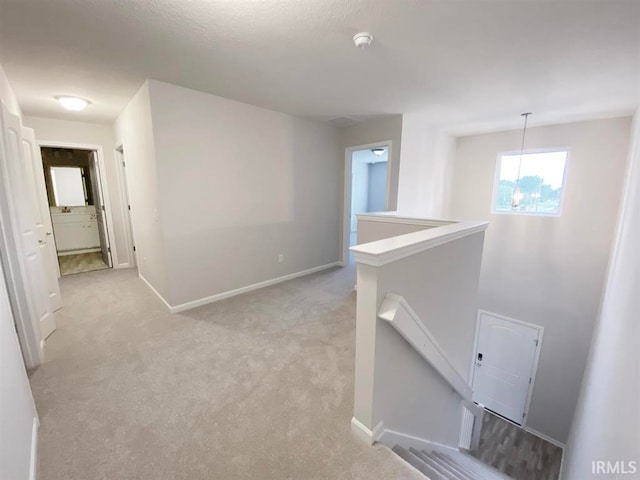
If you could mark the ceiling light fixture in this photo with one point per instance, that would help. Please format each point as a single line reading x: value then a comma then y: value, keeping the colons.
x: 516, y: 196
x: 74, y: 104
x: 362, y: 39
x: 378, y: 152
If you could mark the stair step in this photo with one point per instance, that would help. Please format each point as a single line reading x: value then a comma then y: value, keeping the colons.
x: 460, y: 470
x: 475, y: 466
x: 436, y: 464
x: 439, y: 463
x: 418, y: 463
x: 475, y: 471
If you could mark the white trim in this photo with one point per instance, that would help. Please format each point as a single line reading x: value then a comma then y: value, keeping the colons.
x: 255, y: 286
x: 364, y: 434
x: 154, y: 291
x: 389, y: 250
x: 394, y: 217
x: 533, y: 151
x: 33, y: 457
x: 536, y: 357
x: 127, y: 217
x: 547, y: 438
x: 103, y: 184
x: 78, y: 252
x: 390, y: 438
x: 346, y: 198
x: 400, y: 315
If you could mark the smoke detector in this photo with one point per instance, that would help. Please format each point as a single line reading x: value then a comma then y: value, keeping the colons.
x: 362, y: 39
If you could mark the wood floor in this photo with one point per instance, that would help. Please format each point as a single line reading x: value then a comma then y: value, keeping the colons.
x: 84, y: 262
x: 517, y: 453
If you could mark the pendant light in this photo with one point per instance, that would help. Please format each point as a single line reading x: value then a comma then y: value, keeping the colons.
x: 516, y: 196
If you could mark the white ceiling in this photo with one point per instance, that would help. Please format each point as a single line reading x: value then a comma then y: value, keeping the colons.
x: 473, y: 65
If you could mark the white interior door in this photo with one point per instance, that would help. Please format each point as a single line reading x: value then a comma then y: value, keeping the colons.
x: 506, y: 355
x: 98, y: 200
x: 22, y: 207
x: 44, y: 228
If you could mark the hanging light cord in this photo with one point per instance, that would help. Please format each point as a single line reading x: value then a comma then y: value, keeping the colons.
x: 524, y: 132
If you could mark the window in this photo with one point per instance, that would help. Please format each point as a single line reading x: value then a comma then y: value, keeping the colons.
x: 530, y: 184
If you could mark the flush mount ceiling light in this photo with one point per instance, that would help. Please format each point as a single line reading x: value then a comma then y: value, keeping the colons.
x: 74, y: 104
x: 377, y: 151
x: 362, y: 39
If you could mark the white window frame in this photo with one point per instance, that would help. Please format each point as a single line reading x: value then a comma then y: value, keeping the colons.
x: 496, y: 182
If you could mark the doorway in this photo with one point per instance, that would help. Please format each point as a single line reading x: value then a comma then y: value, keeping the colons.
x: 121, y: 169
x: 505, y: 365
x: 366, y: 187
x: 76, y: 205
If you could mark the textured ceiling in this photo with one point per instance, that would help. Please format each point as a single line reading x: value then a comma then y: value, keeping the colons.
x: 472, y: 64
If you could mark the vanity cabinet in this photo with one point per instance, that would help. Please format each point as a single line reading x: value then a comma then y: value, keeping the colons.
x: 75, y: 231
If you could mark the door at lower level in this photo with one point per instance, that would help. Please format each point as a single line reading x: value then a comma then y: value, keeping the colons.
x: 505, y: 360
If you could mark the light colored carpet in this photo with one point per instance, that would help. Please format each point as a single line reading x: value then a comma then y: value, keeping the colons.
x: 80, y: 263
x: 258, y: 386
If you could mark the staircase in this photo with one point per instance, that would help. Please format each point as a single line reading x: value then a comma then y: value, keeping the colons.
x: 440, y: 464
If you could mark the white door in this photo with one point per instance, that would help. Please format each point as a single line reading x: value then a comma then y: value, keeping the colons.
x: 22, y: 206
x: 98, y: 201
x: 44, y: 229
x: 506, y: 355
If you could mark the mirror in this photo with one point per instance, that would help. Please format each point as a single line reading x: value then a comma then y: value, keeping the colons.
x: 69, y: 188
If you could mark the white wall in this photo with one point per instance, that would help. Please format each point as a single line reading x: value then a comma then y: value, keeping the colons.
x: 17, y: 410
x: 393, y: 383
x: 360, y: 186
x: 545, y: 270
x: 48, y: 129
x: 606, y: 426
x: 238, y: 185
x: 377, y: 187
x: 134, y: 131
x: 7, y: 95
x: 426, y: 167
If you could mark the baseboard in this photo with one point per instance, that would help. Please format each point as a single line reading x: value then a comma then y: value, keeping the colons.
x: 155, y: 291
x: 33, y: 460
x: 232, y: 293
x: 364, y: 434
x: 390, y: 438
x: 552, y: 441
x: 78, y: 251
x: 546, y: 437
x: 123, y: 265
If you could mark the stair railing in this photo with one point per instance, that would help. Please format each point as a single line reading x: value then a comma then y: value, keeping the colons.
x: 397, y: 312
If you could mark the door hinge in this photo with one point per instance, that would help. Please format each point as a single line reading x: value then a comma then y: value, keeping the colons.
x: 109, y: 249
x: 134, y: 248
x: 536, y: 340
x: 129, y: 207
x: 124, y: 164
x: 529, y: 380
x: 102, y: 208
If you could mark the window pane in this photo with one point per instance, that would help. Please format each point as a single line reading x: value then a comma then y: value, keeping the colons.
x: 68, y: 186
x: 532, y: 185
